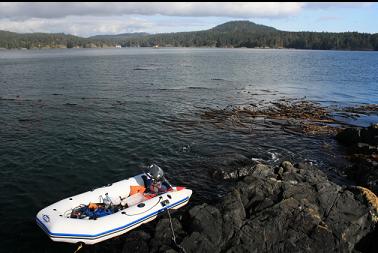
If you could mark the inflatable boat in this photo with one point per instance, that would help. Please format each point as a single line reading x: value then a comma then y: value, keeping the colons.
x: 111, y: 210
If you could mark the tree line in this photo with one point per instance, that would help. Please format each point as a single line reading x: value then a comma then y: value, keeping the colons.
x: 279, y: 39
x: 10, y: 40
x: 231, y: 34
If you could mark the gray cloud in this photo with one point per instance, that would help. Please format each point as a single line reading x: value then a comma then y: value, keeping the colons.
x: 17, y: 11
x: 78, y: 26
x: 113, y: 17
x: 326, y: 5
x: 193, y: 9
x: 196, y: 9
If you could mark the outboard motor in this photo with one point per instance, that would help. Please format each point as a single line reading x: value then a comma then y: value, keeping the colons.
x: 155, y: 173
x: 155, y: 178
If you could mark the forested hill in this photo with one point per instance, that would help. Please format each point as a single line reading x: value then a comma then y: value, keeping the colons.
x: 11, y: 40
x: 251, y: 35
x: 230, y: 34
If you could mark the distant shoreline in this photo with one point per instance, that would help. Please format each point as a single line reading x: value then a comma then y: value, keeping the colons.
x: 233, y: 34
x: 237, y: 48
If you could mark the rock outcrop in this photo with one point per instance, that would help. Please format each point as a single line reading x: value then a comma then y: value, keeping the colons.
x: 285, y: 209
x: 362, y: 145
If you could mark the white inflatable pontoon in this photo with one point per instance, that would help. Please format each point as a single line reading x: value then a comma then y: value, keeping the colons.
x: 127, y: 212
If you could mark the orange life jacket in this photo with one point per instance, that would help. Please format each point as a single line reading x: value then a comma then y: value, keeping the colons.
x: 136, y: 189
x: 92, y: 205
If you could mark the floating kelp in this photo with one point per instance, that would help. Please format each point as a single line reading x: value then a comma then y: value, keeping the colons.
x: 309, y: 117
x: 293, y: 115
x: 311, y: 128
x: 363, y: 109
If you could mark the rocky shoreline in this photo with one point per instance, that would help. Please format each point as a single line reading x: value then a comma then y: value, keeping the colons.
x: 284, y: 208
x: 289, y: 208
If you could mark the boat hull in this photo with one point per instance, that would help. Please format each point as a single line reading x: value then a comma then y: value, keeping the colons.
x: 54, y: 221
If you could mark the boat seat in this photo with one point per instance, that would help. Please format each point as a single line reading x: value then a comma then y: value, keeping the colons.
x: 119, y: 191
x: 147, y: 183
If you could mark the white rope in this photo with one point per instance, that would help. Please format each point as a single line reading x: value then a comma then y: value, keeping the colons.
x: 78, y: 248
x: 173, y: 233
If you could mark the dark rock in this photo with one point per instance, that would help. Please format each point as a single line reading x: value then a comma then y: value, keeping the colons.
x: 277, y: 229
x: 207, y: 220
x: 287, y: 166
x: 136, y: 241
x: 171, y: 251
x: 364, y: 156
x: 370, y: 135
x: 233, y: 214
x: 365, y: 148
x: 292, y: 178
x: 233, y: 166
x: 349, y: 219
x: 262, y: 170
x: 305, y: 219
x: 368, y: 243
x: 162, y: 240
x: 302, y: 211
x: 279, y: 171
x: 364, y: 172
x: 349, y: 136
x: 257, y: 195
x: 232, y: 173
x: 233, y: 160
x: 304, y: 165
x: 196, y: 242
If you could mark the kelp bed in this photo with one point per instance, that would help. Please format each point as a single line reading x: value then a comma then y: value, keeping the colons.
x: 363, y: 109
x: 293, y: 115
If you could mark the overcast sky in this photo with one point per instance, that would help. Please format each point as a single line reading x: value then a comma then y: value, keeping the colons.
x: 86, y: 19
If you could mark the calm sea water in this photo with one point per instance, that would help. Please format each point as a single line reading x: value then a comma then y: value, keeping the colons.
x: 71, y: 120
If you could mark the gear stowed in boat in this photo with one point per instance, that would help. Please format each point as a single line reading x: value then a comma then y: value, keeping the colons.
x: 112, y: 210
